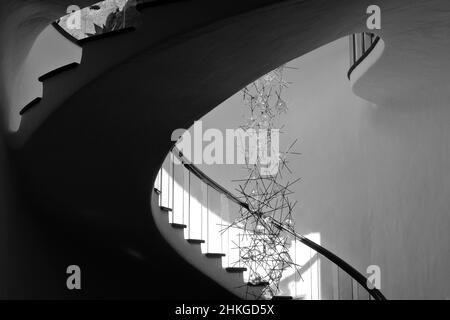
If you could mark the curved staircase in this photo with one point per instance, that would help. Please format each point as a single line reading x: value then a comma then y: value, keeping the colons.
x: 199, y: 227
x: 90, y: 166
x: 104, y: 52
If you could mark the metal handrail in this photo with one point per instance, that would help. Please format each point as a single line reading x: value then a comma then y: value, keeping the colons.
x: 352, y: 272
x: 202, y: 176
x: 366, y: 52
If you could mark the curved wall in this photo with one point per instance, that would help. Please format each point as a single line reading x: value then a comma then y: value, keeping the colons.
x: 375, y: 179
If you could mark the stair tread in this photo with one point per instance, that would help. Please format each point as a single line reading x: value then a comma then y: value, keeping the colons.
x: 57, y: 71
x: 235, y: 269
x: 282, y: 298
x: 163, y: 208
x: 153, y: 3
x: 259, y: 284
x: 178, y: 225
x: 195, y: 241
x: 64, y: 33
x: 109, y: 34
x: 31, y: 104
x: 215, y: 255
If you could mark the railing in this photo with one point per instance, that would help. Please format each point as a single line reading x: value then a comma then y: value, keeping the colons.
x: 361, y: 44
x: 206, y: 210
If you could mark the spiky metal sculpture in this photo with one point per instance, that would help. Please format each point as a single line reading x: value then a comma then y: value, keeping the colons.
x: 264, y: 248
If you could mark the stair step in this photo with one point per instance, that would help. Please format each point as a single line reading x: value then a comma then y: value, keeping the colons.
x: 157, y: 191
x: 165, y: 209
x: 259, y: 284
x: 58, y: 70
x: 235, y: 269
x: 282, y: 298
x: 178, y: 225
x: 109, y: 34
x: 195, y: 241
x: 64, y: 33
x: 31, y: 104
x: 215, y: 255
x: 153, y: 3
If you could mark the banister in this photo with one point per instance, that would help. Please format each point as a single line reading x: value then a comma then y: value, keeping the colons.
x: 363, y: 56
x: 352, y: 272
x: 202, y: 176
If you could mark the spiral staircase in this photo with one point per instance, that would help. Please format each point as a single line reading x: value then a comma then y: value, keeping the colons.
x: 87, y: 153
x: 84, y: 153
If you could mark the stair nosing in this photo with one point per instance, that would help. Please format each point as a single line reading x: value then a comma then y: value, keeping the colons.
x: 155, y: 3
x: 178, y: 225
x: 30, y: 105
x: 59, y: 70
x: 64, y: 33
x: 235, y: 269
x: 109, y: 34
x: 215, y: 255
x: 195, y: 241
x: 261, y: 284
x: 282, y: 298
x: 166, y: 209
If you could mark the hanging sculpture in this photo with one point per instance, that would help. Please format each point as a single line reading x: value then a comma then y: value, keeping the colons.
x: 263, y: 247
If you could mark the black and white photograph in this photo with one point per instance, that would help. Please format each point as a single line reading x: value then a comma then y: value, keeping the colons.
x: 225, y: 158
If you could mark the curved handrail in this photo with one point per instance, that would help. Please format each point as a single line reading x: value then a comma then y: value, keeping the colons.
x: 366, y: 52
x: 352, y: 272
x: 202, y: 176
x: 355, y: 274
